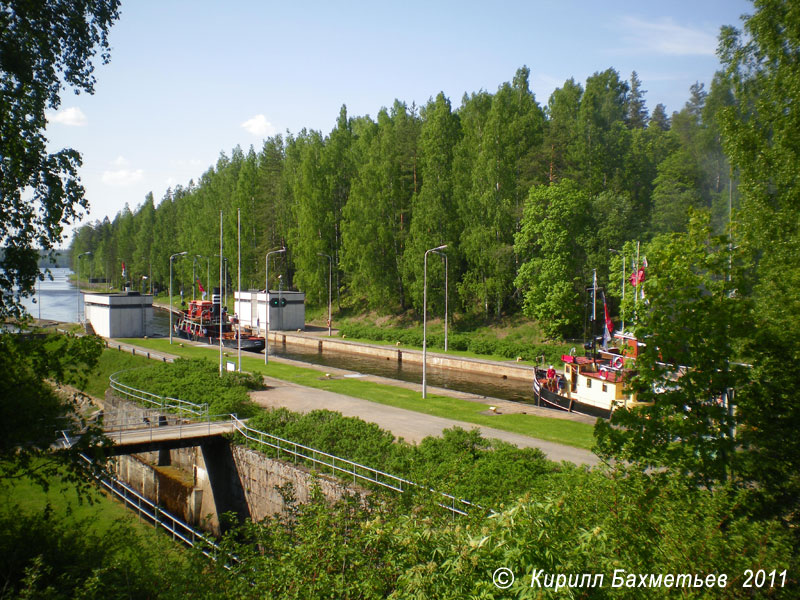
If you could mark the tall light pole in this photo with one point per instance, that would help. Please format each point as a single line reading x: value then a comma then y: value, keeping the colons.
x: 445, y: 296
x: 330, y: 270
x: 78, y: 286
x: 266, y: 289
x: 171, y: 258
x: 425, y: 320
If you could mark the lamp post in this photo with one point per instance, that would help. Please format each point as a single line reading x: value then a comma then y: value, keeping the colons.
x: 330, y: 270
x: 78, y: 286
x: 171, y: 258
x: 266, y: 290
x: 141, y: 283
x: 621, y: 310
x: 425, y: 320
x: 442, y: 254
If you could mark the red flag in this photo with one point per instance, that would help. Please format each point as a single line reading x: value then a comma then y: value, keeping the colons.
x: 637, y: 277
x: 200, y: 287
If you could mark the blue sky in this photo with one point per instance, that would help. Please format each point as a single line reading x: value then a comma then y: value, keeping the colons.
x: 190, y: 79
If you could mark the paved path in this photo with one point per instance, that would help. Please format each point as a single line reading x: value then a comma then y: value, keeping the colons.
x: 407, y: 424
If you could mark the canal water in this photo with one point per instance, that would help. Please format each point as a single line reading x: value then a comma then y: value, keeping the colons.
x: 57, y: 300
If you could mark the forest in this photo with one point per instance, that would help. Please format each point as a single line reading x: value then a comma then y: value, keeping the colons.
x: 528, y: 198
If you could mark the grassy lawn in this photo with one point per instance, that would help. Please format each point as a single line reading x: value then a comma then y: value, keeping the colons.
x: 554, y: 430
x: 102, y: 513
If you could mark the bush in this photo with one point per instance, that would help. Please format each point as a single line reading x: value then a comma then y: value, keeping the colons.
x: 198, y: 381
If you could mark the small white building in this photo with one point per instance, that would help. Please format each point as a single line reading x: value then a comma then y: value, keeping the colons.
x: 125, y: 314
x: 287, y: 310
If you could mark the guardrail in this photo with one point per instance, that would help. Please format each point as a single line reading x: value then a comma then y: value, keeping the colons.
x: 157, y: 515
x: 163, y: 402
x: 341, y: 466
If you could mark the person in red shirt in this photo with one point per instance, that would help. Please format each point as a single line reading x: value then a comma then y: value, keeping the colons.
x: 551, y: 378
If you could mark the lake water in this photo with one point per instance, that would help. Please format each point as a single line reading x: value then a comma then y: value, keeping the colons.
x: 54, y: 300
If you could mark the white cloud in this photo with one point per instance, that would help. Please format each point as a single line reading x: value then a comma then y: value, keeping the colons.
x: 72, y: 117
x: 121, y: 175
x: 259, y: 125
x: 668, y: 38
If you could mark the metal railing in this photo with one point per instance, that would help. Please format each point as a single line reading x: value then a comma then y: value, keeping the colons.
x: 162, y: 402
x: 343, y: 467
x: 156, y: 515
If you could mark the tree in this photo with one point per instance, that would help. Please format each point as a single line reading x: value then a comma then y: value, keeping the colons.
x: 435, y: 218
x: 692, y: 324
x: 510, y: 135
x: 44, y: 47
x: 636, y: 111
x: 554, y: 225
x: 760, y: 131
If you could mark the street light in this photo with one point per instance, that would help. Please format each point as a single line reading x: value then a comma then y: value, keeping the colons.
x: 425, y: 320
x: 141, y: 283
x: 78, y: 286
x: 330, y: 270
x: 445, y: 296
x: 266, y: 289
x: 170, y: 291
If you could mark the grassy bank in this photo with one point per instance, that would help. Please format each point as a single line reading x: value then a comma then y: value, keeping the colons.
x: 553, y: 430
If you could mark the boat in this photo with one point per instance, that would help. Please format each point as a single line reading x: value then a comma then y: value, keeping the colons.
x: 200, y: 322
x: 592, y: 385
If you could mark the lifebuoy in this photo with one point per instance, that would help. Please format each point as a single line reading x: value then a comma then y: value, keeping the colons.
x: 617, y: 363
x: 603, y: 374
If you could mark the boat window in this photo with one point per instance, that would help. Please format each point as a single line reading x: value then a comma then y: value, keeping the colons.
x: 605, y: 387
x: 588, y: 382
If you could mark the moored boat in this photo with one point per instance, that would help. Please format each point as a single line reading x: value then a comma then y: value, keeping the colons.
x: 204, y: 320
x: 592, y: 385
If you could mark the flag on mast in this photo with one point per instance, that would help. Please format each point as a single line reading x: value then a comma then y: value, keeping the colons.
x: 608, y: 325
x: 202, y: 290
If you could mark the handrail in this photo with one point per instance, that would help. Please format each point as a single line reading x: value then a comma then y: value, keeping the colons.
x: 342, y: 465
x: 159, y: 517
x: 163, y: 402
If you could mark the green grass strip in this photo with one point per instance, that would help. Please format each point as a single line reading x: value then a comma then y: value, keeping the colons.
x: 562, y: 431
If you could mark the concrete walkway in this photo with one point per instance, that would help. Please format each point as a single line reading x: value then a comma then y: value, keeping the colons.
x: 407, y: 424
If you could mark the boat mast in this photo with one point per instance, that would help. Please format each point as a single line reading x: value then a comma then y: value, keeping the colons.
x: 220, y: 284
x: 239, y: 284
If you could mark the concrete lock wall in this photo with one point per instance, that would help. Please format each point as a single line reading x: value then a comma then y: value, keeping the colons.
x: 469, y: 365
x: 200, y: 483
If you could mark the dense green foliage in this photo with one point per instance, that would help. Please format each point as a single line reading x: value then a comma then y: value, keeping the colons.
x: 528, y: 200
x: 461, y: 463
x: 45, y: 47
x: 33, y: 412
x: 49, y: 554
x: 197, y: 381
x: 575, y: 522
